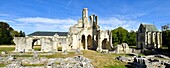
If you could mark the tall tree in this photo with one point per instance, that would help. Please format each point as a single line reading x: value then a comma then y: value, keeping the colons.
x: 7, y: 33
x: 119, y: 35
x: 131, y: 38
x: 22, y: 34
x: 5, y: 37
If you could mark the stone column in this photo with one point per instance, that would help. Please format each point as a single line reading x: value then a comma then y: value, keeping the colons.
x: 111, y: 39
x: 86, y: 43
x: 85, y: 17
x: 96, y: 19
x: 99, y: 42
x: 160, y: 39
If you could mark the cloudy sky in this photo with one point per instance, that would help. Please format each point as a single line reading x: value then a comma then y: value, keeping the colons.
x: 58, y: 15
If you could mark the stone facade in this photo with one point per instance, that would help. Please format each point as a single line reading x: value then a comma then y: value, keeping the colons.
x: 87, y: 34
x: 148, y: 37
x: 84, y: 35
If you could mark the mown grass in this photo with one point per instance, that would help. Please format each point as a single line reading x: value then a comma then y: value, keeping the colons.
x: 33, y: 64
x: 100, y: 60
x: 23, y: 55
x: 7, y: 49
x: 59, y: 55
x: 37, y: 47
x: 2, y: 65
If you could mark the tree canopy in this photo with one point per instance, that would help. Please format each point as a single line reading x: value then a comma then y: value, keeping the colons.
x: 166, y: 37
x: 121, y: 35
x: 7, y: 33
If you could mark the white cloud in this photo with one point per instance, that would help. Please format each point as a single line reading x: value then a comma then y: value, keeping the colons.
x: 46, y: 20
x: 114, y: 22
x: 31, y: 24
x: 45, y: 24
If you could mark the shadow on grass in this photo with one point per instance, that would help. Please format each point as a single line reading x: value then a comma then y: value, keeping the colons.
x: 115, y: 66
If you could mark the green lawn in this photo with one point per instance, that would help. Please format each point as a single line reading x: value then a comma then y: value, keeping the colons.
x: 33, y: 64
x: 7, y: 49
x: 2, y: 65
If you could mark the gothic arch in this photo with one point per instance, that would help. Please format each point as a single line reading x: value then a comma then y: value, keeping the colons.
x: 36, y: 45
x: 83, y: 41
x: 105, y: 44
x: 89, y: 42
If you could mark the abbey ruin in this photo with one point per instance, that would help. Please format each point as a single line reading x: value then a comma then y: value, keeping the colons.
x: 84, y: 35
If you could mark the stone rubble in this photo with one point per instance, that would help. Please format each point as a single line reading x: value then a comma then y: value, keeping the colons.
x: 146, y: 62
x: 69, y: 62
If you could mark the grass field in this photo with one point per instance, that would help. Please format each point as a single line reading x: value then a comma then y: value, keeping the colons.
x: 99, y: 60
x: 6, y: 48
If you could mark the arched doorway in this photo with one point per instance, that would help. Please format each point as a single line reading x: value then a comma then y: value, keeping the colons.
x: 83, y: 41
x: 36, y: 45
x: 89, y: 42
x: 105, y: 44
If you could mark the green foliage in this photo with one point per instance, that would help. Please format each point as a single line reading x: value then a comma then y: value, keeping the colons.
x: 2, y: 65
x: 166, y: 38
x: 7, y: 33
x: 5, y: 37
x: 131, y: 38
x: 121, y: 35
x: 22, y: 34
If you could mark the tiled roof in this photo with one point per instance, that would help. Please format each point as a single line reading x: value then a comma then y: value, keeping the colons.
x: 150, y: 27
x: 45, y: 33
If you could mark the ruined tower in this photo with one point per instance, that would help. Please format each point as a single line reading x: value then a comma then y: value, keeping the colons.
x: 85, y: 18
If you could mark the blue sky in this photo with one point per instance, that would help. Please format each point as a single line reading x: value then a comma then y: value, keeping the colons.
x: 58, y: 15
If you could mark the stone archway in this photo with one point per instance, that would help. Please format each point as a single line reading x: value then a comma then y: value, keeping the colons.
x: 105, y: 44
x: 83, y: 41
x: 89, y: 42
x: 36, y: 44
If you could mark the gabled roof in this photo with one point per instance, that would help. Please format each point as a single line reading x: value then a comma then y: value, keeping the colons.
x: 150, y: 27
x: 45, y: 33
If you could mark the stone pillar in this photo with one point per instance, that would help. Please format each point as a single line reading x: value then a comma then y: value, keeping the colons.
x: 160, y: 39
x: 86, y: 43
x: 146, y: 39
x: 92, y: 20
x: 85, y: 17
x: 96, y: 19
x: 149, y: 38
x: 154, y: 40
x: 111, y: 39
x: 99, y: 42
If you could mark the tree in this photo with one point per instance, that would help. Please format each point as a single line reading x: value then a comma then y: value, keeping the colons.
x: 22, y: 34
x: 119, y: 35
x: 131, y: 38
x: 5, y: 37
x: 7, y: 33
x: 166, y: 37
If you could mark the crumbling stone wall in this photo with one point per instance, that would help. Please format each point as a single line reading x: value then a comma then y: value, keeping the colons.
x: 122, y: 48
x: 25, y: 44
